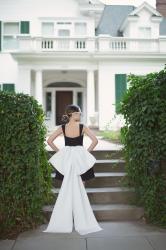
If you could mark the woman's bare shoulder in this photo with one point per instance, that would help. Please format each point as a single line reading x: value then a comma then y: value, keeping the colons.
x: 88, y: 131
x: 84, y: 127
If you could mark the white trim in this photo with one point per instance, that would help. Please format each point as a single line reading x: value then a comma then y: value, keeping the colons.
x: 131, y: 16
x: 69, y: 19
x: 148, y: 6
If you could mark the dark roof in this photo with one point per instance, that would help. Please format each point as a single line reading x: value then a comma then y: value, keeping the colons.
x: 112, y: 18
x: 114, y: 15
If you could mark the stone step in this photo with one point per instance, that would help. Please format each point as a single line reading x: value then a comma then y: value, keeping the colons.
x: 99, y: 154
x: 107, y: 195
x: 113, y: 165
x: 109, y: 165
x: 102, y: 179
x: 108, y: 212
x: 107, y: 154
x: 117, y: 212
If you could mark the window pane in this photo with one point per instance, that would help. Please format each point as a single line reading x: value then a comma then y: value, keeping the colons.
x: 48, y: 104
x: 64, y: 32
x: 145, y: 32
x: 80, y: 28
x: 47, y: 29
x: 10, y: 43
x: 11, y: 28
x: 48, y: 101
x: 79, y: 100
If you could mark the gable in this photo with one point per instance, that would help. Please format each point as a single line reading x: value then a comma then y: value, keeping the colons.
x: 146, y: 6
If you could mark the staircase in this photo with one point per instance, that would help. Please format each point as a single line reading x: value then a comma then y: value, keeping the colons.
x: 110, y: 200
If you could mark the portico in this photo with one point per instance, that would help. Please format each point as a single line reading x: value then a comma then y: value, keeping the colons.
x: 56, y: 88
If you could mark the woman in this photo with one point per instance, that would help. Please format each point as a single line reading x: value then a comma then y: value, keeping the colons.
x: 72, y: 129
x: 74, y: 165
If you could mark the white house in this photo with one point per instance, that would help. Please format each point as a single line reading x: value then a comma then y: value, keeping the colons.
x: 78, y: 51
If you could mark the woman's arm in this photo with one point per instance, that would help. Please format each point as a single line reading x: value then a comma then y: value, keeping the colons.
x: 52, y: 137
x: 94, y: 139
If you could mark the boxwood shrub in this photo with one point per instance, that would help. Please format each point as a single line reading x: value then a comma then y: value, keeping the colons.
x: 144, y: 139
x: 25, y: 174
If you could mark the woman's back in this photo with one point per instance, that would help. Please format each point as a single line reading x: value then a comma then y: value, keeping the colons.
x: 73, y: 141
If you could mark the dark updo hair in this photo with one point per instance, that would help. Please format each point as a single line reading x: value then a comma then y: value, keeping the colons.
x: 68, y: 110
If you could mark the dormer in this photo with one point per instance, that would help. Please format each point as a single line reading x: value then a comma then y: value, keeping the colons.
x: 143, y: 22
x: 91, y: 8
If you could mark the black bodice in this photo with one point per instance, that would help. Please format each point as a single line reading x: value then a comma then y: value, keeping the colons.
x: 73, y: 141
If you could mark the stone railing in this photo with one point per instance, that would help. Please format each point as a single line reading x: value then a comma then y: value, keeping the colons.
x: 100, y: 43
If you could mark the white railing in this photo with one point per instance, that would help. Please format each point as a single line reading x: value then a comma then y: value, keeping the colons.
x: 123, y: 44
x: 63, y: 44
x: 91, y: 44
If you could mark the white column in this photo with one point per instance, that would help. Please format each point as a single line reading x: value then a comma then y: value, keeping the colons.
x: 39, y: 87
x: 90, y: 95
x: 24, y: 80
x: 106, y: 94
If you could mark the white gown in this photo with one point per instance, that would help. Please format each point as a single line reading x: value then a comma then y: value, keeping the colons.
x: 72, y: 201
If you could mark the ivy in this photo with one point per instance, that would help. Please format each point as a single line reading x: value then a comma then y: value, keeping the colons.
x: 144, y: 139
x: 24, y: 170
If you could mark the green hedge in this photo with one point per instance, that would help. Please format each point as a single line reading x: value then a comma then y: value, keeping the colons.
x: 144, y: 139
x: 24, y: 170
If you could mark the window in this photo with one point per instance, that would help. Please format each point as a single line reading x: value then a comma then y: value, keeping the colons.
x: 48, y: 29
x: 10, y: 42
x: 64, y: 32
x: 145, y: 32
x: 48, y: 104
x: 10, y: 31
x: 11, y: 28
x: 79, y: 100
x: 80, y: 28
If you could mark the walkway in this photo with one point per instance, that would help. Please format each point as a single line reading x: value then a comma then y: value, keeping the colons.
x: 115, y: 236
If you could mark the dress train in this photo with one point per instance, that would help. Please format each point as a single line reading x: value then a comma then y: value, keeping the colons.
x: 72, y: 207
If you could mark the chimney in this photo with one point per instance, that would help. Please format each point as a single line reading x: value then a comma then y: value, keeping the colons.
x: 161, y: 7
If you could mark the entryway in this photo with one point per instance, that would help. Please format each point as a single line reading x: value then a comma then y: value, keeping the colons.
x: 63, y: 98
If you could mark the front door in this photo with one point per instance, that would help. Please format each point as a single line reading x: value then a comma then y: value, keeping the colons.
x: 63, y: 98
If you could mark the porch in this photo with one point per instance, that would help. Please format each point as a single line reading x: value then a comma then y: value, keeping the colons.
x: 54, y: 89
